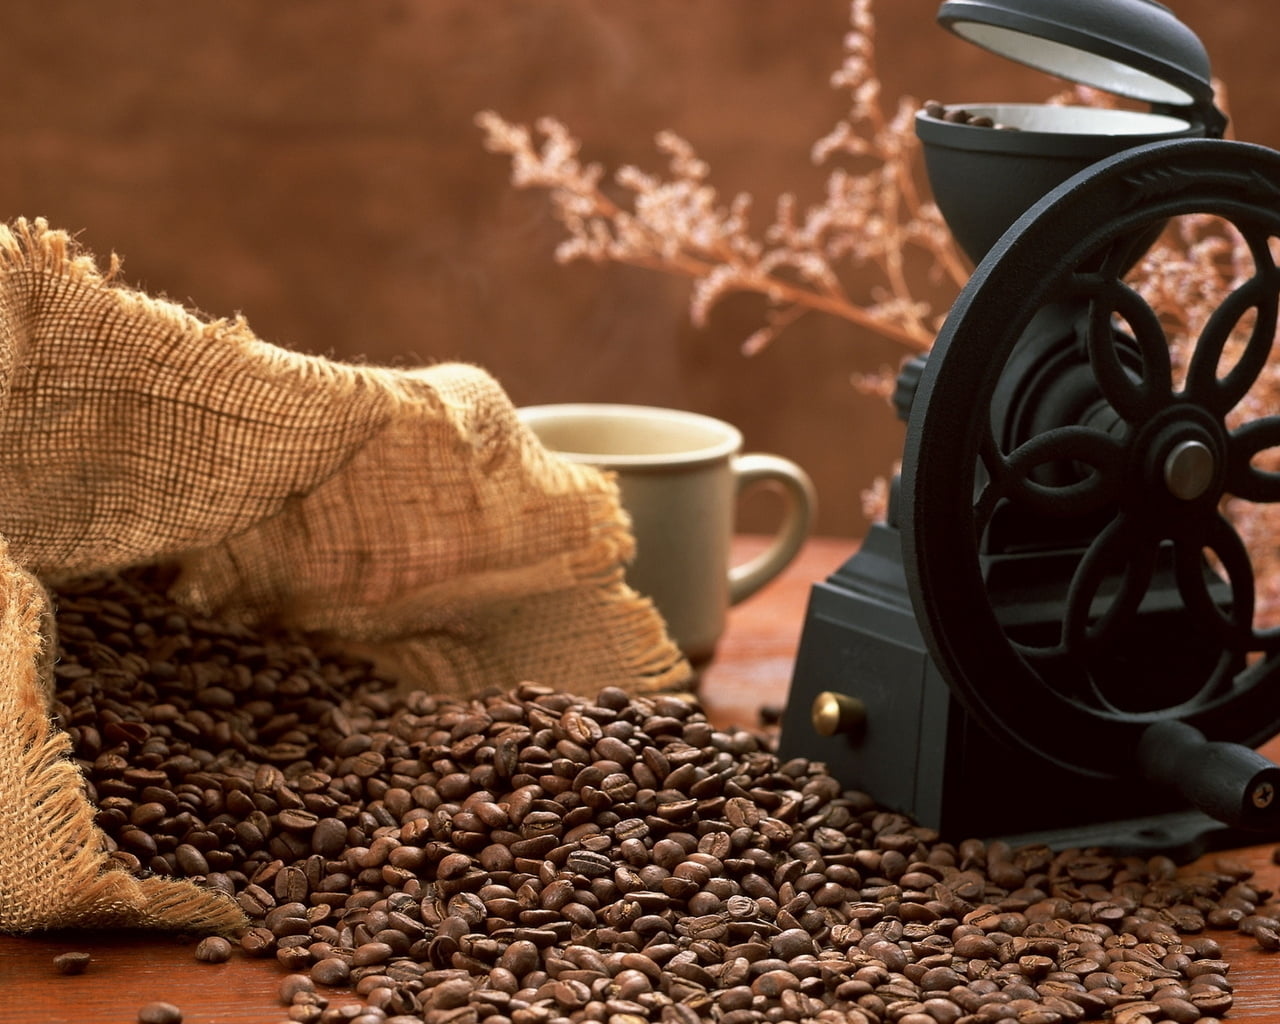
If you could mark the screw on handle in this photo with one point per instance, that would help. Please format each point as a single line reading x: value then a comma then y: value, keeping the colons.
x: 1227, y: 781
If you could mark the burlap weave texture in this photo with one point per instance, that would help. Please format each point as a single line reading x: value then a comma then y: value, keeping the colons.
x: 408, y: 512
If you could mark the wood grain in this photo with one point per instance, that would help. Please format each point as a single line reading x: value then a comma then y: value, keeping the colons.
x: 751, y: 671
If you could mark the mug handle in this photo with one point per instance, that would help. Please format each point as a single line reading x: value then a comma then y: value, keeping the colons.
x: 800, y: 505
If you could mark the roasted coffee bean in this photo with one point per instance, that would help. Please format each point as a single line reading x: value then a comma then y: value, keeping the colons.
x: 332, y: 971
x: 213, y: 949
x: 258, y: 941
x: 1177, y: 1009
x: 958, y: 115
x: 293, y: 985
x: 159, y: 1013
x: 531, y: 856
x: 72, y: 963
x: 1267, y: 938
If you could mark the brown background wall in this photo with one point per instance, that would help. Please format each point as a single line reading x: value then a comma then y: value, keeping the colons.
x: 315, y: 166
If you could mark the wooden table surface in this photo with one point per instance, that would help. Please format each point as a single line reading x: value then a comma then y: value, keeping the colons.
x: 752, y: 670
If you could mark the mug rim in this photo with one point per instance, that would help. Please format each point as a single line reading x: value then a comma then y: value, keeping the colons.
x: 729, y: 444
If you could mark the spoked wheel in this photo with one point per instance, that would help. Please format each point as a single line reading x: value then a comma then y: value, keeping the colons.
x: 1071, y: 485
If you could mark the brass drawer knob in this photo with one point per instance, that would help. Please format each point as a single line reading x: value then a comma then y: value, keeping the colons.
x: 834, y: 713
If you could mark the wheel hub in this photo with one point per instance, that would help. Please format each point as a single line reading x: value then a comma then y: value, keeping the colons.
x: 1189, y: 469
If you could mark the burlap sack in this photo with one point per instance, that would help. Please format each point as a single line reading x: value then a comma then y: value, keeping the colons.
x: 407, y: 511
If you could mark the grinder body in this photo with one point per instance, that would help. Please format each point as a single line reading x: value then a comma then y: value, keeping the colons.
x: 1058, y: 613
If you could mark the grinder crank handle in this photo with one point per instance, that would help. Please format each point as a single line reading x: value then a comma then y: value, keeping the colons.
x: 1227, y: 781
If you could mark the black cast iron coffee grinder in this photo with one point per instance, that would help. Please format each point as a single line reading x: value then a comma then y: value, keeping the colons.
x: 1052, y: 637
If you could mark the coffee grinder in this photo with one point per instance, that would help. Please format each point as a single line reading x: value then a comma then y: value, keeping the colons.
x: 1052, y: 636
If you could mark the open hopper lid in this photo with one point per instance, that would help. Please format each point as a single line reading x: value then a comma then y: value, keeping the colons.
x: 1133, y: 48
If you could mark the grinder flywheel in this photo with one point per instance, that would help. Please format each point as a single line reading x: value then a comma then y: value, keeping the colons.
x: 1054, y: 634
x: 1116, y: 469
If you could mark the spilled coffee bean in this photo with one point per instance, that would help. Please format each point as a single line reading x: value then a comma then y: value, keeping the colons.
x: 72, y: 963
x: 214, y: 949
x: 537, y: 857
x: 160, y: 1013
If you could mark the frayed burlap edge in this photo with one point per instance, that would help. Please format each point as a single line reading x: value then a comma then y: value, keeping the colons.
x: 45, y: 817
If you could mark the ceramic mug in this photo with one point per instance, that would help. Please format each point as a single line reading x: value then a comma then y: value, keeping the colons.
x: 680, y: 474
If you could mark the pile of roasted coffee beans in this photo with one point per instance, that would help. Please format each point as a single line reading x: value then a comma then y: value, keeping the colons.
x: 958, y: 115
x: 532, y: 857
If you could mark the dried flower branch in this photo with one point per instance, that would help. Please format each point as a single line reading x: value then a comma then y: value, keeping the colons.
x: 680, y: 224
x: 872, y: 218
